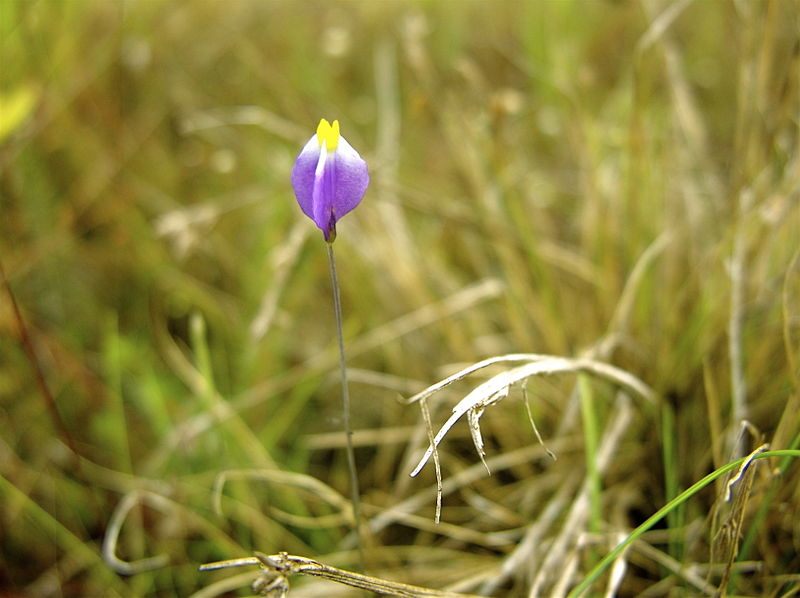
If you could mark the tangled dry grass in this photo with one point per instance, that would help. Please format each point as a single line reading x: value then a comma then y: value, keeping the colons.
x: 583, y: 215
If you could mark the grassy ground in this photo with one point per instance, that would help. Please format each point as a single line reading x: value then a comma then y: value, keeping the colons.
x: 610, y: 182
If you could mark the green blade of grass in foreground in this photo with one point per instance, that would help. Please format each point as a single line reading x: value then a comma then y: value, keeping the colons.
x: 598, y: 570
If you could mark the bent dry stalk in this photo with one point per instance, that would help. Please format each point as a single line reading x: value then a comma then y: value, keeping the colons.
x: 276, y: 569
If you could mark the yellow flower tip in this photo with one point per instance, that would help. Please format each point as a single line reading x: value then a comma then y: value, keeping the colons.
x: 328, y: 134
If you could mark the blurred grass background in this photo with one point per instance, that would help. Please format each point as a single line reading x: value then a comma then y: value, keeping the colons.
x: 609, y: 178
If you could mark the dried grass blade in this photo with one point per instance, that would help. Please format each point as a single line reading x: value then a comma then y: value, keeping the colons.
x: 281, y: 566
x: 544, y: 366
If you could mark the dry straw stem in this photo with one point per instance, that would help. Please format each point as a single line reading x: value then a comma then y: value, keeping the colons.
x: 111, y: 539
x: 736, y: 268
x: 497, y: 387
x: 276, y: 569
x: 725, y: 545
x: 166, y: 507
x: 534, y: 540
x: 325, y: 493
x: 282, y: 261
x: 401, y: 511
x: 567, y: 544
x: 222, y: 410
x: 688, y: 573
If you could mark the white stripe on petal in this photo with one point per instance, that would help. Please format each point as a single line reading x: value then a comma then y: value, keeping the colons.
x: 321, y: 204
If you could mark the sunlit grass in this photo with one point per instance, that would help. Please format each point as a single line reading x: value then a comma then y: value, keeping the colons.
x: 615, y: 182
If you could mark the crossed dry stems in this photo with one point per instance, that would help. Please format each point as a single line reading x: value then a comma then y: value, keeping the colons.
x: 273, y: 581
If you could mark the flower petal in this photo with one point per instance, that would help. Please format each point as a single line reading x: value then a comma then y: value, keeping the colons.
x: 351, y: 178
x: 303, y: 176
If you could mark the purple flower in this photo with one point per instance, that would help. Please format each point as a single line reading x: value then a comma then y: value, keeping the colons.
x: 329, y: 178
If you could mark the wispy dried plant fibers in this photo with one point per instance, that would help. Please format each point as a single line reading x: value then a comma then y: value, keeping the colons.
x: 725, y: 544
x: 276, y: 569
x: 496, y: 388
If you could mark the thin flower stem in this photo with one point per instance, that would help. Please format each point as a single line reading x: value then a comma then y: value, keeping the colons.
x: 351, y: 456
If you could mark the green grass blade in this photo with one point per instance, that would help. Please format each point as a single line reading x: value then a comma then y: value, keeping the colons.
x: 598, y: 570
